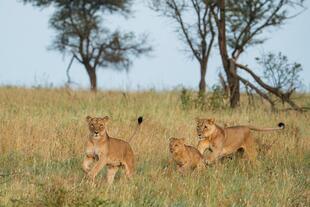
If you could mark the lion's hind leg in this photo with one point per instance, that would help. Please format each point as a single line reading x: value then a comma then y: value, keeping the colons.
x: 250, y: 148
x: 129, y: 167
x: 112, y: 170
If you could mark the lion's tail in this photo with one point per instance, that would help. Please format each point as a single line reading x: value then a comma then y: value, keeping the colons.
x: 280, y: 127
x: 139, y: 121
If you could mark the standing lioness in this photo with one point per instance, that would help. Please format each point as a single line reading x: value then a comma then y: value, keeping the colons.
x: 225, y: 141
x: 108, y: 151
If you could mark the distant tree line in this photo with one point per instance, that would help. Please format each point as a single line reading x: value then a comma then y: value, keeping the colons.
x: 230, y: 26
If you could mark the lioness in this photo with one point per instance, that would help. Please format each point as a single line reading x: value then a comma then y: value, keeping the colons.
x: 186, y: 157
x: 227, y: 140
x: 106, y: 150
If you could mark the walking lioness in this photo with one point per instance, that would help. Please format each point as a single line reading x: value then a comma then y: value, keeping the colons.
x: 225, y: 141
x: 107, y: 151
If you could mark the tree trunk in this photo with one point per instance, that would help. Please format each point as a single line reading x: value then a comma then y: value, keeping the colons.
x: 202, y: 82
x: 228, y: 64
x: 233, y: 84
x: 234, y: 90
x: 92, y: 77
x: 224, y: 84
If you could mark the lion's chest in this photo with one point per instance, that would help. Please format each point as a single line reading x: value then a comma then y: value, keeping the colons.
x: 100, y: 151
x: 96, y: 150
x: 179, y: 158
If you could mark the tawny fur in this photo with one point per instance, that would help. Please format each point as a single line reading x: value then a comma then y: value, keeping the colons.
x: 228, y: 140
x: 186, y: 157
x: 107, y: 151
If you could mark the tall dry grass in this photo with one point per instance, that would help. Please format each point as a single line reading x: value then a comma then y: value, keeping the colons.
x: 42, y: 136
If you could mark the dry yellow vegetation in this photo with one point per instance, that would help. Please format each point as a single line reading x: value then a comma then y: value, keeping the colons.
x: 43, y: 131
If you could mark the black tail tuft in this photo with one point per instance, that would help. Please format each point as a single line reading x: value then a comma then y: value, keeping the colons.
x: 281, y: 125
x: 140, y: 120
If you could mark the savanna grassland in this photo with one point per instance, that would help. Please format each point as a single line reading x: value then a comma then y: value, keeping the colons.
x: 43, y: 131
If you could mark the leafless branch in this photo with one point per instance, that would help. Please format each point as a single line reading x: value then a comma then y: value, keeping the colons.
x: 258, y: 91
x: 285, y: 97
x: 179, y: 18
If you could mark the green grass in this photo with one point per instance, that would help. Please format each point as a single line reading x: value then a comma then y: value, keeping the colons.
x: 42, y: 138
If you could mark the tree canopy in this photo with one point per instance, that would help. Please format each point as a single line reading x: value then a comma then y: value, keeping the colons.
x: 82, y: 33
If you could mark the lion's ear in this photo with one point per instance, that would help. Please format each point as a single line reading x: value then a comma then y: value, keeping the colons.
x: 198, y: 120
x: 211, y: 121
x: 105, y: 119
x: 88, y: 118
x: 172, y: 138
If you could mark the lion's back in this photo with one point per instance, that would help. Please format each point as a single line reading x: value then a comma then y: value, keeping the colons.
x: 120, y: 150
x: 195, y: 155
x: 236, y: 135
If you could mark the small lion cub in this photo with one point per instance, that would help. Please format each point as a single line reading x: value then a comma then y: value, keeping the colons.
x: 107, y: 151
x: 185, y: 156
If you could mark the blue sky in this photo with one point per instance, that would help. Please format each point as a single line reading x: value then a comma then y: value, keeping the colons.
x: 26, y: 60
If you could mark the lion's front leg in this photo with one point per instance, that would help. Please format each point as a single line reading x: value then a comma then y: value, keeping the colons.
x: 200, y: 166
x: 215, y: 155
x: 203, y: 145
x: 96, y: 169
x: 182, y: 169
x: 87, y: 163
x: 89, y: 159
x: 217, y: 147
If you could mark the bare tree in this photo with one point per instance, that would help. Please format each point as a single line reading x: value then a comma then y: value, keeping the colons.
x: 194, y: 27
x: 240, y: 25
x: 80, y: 33
x: 279, y: 72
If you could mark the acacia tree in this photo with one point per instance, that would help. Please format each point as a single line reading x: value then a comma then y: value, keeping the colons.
x: 240, y: 25
x: 279, y: 72
x: 81, y: 33
x: 194, y: 27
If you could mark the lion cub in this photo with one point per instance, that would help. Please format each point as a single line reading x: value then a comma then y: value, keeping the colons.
x: 107, y: 151
x: 186, y: 157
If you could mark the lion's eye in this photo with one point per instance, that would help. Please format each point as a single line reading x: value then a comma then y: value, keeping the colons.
x: 92, y: 126
x: 206, y: 127
x: 101, y: 126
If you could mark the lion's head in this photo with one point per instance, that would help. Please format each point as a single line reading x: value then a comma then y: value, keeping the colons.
x: 205, y: 127
x: 97, y: 126
x: 176, y: 144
